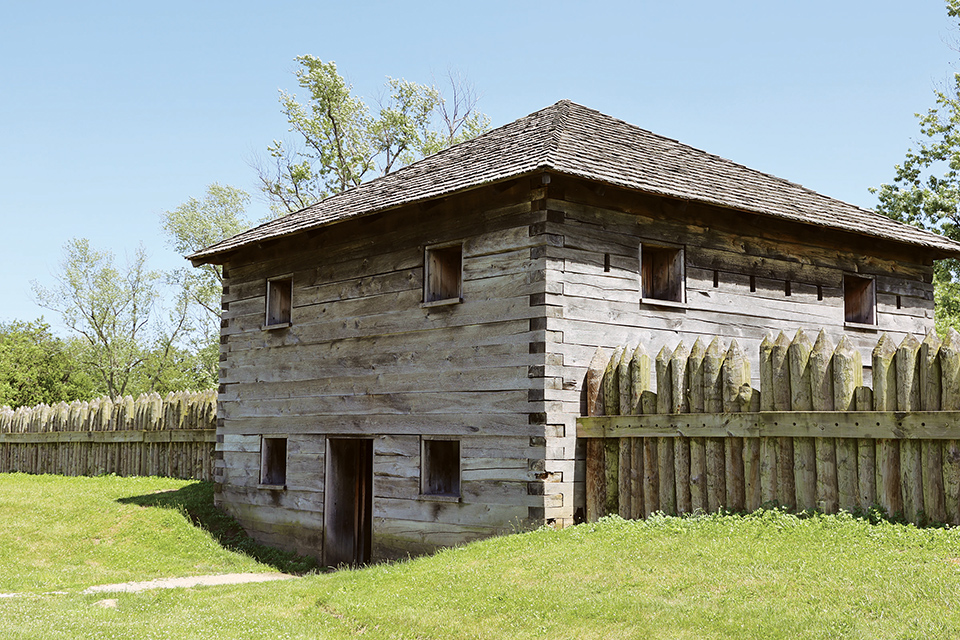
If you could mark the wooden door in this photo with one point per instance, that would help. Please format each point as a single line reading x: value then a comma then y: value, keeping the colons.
x: 348, y: 501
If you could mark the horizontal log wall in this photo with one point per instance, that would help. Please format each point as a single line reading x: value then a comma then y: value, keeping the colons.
x: 812, y: 438
x: 364, y: 357
x: 173, y: 436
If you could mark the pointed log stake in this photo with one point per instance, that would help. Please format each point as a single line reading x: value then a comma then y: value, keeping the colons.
x: 907, y: 363
x: 950, y: 401
x: 639, y: 385
x: 664, y: 389
x: 804, y: 450
x: 681, y: 445
x: 866, y: 457
x: 735, y: 375
x: 888, y: 450
x: 624, y: 383
x: 847, y: 378
x: 786, y: 486
x: 713, y: 403
x: 665, y: 446
x: 595, y: 476
x: 639, y: 378
x: 821, y: 397
x: 625, y: 393
x: 698, y: 460
x: 931, y: 453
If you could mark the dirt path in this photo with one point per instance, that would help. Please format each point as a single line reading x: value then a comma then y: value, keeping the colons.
x: 194, y: 581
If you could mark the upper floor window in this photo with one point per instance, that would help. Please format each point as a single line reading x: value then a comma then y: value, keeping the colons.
x: 859, y: 299
x: 443, y: 274
x: 661, y: 272
x: 279, y: 301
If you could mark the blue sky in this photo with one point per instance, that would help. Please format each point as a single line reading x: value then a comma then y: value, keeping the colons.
x: 113, y: 112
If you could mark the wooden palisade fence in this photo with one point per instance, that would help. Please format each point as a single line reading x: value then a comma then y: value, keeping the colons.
x: 813, y: 437
x: 173, y: 436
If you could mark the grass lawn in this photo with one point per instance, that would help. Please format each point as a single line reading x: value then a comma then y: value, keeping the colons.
x: 766, y: 575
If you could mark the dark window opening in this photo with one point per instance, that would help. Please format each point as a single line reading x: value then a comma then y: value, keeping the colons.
x: 898, y: 302
x: 440, y: 468
x: 443, y: 274
x: 753, y: 284
x: 787, y: 288
x: 819, y: 292
x: 661, y: 273
x: 273, y: 461
x: 859, y: 300
x: 279, y: 301
x: 606, y: 262
x: 716, y: 278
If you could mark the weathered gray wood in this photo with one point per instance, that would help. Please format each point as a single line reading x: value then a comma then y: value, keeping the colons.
x: 804, y: 450
x: 698, y: 461
x: 888, y: 450
x: 735, y: 374
x: 625, y: 386
x: 664, y: 387
x: 636, y: 477
x: 651, y: 482
x: 931, y: 453
x: 915, y: 425
x: 595, y: 451
x: 821, y: 397
x: 847, y: 378
x: 949, y: 355
x: 907, y: 364
x: 639, y: 377
x: 780, y: 392
x: 624, y: 475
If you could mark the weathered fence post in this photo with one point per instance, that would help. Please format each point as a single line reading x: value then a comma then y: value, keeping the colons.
x: 804, y: 451
x: 847, y: 378
x: 885, y: 399
x: 908, y: 399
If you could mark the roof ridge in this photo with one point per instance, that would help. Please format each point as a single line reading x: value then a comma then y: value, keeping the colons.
x: 573, y: 139
x: 558, y: 128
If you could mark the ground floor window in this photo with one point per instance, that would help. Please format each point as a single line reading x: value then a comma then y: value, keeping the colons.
x: 440, y: 468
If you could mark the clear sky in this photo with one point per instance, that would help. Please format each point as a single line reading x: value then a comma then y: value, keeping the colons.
x: 113, y: 112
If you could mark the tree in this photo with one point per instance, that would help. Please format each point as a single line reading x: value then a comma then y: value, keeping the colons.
x: 37, y: 367
x: 197, y: 224
x: 123, y: 345
x: 194, y: 225
x: 926, y: 189
x: 340, y: 143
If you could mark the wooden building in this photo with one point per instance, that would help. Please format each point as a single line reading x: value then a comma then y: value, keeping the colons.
x: 402, y: 364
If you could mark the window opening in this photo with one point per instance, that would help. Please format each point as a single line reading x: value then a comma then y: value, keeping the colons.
x: 661, y: 272
x: 859, y: 299
x: 716, y: 278
x: 443, y: 273
x: 753, y: 284
x: 440, y: 468
x: 819, y: 292
x: 279, y: 301
x: 606, y: 262
x: 898, y: 302
x: 273, y: 461
x: 787, y: 288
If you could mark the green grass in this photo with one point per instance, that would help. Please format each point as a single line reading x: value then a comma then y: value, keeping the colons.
x: 765, y: 575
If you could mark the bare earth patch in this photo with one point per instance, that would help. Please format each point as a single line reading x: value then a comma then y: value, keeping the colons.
x: 183, y: 583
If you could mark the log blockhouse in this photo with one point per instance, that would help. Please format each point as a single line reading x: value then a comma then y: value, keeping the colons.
x: 403, y: 363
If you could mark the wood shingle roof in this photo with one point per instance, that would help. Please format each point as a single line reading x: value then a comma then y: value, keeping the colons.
x: 571, y: 139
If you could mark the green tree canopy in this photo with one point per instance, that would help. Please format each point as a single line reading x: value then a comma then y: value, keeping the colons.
x: 37, y: 367
x: 340, y: 143
x: 124, y: 342
x: 925, y: 191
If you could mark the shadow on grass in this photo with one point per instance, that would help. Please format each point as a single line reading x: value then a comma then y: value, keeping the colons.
x: 196, y: 502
